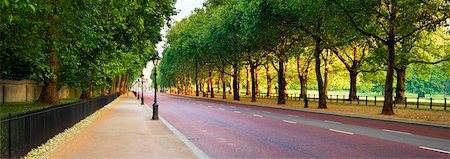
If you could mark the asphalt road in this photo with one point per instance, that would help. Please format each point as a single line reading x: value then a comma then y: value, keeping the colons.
x: 226, y: 130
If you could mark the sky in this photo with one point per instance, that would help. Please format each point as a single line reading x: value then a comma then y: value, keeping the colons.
x: 184, y: 9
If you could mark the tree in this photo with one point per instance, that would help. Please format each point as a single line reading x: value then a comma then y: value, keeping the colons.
x: 392, y: 22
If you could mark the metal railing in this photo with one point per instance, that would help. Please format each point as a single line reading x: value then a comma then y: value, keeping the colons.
x: 424, y: 103
x: 19, y: 133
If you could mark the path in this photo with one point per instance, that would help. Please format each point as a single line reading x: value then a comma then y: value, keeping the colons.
x: 124, y: 130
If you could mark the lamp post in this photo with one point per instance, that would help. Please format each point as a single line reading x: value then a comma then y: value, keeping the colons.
x: 142, y: 89
x: 155, y: 59
x: 137, y: 89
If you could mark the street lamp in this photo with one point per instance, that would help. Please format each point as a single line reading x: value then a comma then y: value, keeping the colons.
x: 155, y: 59
x: 142, y: 89
x: 137, y: 89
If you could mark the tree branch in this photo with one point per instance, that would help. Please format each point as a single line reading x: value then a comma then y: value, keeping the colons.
x: 352, y: 20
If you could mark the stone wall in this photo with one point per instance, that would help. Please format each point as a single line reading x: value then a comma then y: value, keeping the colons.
x: 29, y: 91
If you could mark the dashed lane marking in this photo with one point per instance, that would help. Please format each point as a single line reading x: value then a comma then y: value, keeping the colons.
x: 237, y: 111
x: 334, y: 122
x: 288, y: 121
x: 221, y: 109
x: 340, y: 131
x: 433, y: 149
x: 257, y: 115
x: 394, y: 131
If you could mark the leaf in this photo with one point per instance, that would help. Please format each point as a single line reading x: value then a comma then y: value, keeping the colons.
x: 10, y: 18
x: 6, y: 3
x: 32, y: 7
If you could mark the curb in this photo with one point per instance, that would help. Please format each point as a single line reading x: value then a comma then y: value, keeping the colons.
x: 334, y: 114
x: 197, y: 151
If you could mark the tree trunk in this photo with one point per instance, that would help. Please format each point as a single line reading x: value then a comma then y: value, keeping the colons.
x: 196, y: 81
x: 236, y: 83
x: 387, y: 106
x: 218, y: 83
x: 327, y: 72
x: 190, y: 86
x: 202, y: 86
x: 269, y: 82
x: 353, y: 77
x: 247, y: 86
x: 84, y: 94
x: 231, y: 82
x: 256, y: 80
x: 303, y: 86
x: 224, y: 85
x: 49, y: 94
x: 322, y: 96
x: 401, y: 87
x: 252, y: 74
x: 211, y: 84
x: 178, y: 86
x: 281, y: 71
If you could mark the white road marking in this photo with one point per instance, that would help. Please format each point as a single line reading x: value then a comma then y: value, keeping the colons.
x: 221, y: 109
x: 288, y: 121
x: 237, y: 111
x: 266, y: 112
x: 340, y: 131
x: 332, y: 122
x: 257, y: 115
x: 209, y: 106
x: 293, y: 115
x: 400, y: 132
x: 433, y: 149
x: 231, y: 144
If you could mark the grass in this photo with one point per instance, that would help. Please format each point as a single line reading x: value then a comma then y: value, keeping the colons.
x: 438, y: 117
x: 411, y: 97
x: 18, y: 107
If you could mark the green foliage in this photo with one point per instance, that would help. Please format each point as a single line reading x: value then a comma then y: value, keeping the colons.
x: 96, y: 41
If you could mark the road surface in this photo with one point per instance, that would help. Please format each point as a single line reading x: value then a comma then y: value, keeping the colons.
x: 228, y: 130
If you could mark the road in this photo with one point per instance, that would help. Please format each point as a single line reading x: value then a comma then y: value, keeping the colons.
x: 228, y: 130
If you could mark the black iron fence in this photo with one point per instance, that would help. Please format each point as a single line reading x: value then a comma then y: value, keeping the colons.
x: 424, y: 103
x: 19, y: 133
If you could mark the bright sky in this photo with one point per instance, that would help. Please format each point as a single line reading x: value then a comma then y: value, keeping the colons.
x: 184, y: 9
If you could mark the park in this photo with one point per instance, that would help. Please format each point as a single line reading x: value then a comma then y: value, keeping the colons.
x: 225, y: 79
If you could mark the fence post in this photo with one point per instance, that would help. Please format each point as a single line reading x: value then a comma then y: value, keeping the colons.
x: 431, y: 103
x: 343, y: 98
x: 349, y: 97
x: 406, y: 101
x: 9, y: 136
x: 417, y: 102
x: 366, y: 100
x: 314, y: 97
x: 445, y: 103
x: 375, y: 100
x: 358, y: 99
x: 337, y: 98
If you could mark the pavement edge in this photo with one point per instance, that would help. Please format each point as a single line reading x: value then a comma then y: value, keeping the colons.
x: 197, y: 151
